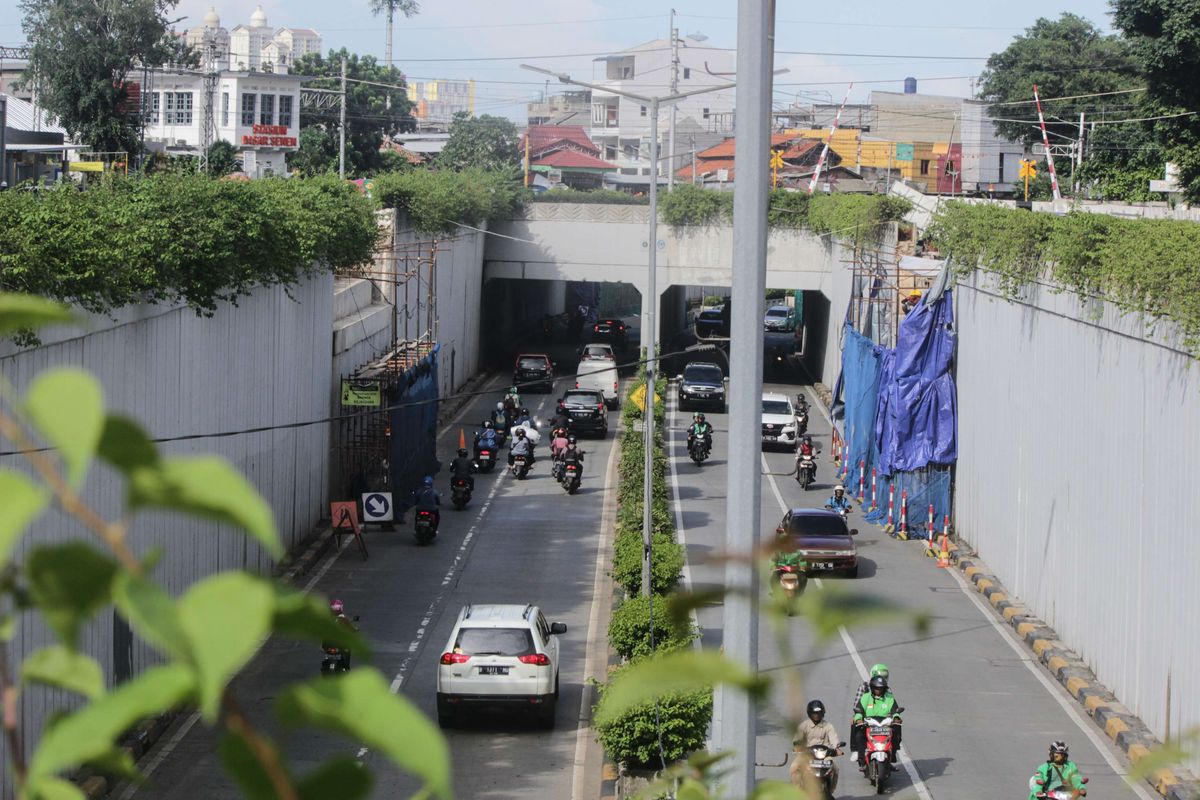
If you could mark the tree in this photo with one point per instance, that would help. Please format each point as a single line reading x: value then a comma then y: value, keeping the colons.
x: 1162, y: 37
x: 80, y: 57
x: 222, y: 158
x: 487, y: 142
x: 374, y: 110
x: 406, y: 7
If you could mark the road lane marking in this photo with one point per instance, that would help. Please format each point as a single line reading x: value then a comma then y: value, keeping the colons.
x: 859, y: 664
x: 1070, y: 706
x: 591, y: 656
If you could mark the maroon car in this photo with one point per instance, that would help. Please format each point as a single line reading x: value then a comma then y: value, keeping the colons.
x: 823, y: 539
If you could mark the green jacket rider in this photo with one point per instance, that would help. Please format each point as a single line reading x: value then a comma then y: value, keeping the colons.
x: 877, y: 703
x: 1058, y: 772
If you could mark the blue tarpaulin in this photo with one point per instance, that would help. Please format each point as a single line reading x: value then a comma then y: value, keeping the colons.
x: 414, y: 424
x: 916, y: 419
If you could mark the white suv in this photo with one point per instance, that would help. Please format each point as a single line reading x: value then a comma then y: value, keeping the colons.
x: 503, y: 656
x: 779, y: 424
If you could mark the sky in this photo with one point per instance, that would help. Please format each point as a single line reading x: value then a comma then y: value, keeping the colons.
x: 876, y: 44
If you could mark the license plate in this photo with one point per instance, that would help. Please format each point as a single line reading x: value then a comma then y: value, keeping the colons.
x: 581, y: 413
x: 770, y: 438
x: 820, y: 565
x: 823, y: 763
x: 493, y: 670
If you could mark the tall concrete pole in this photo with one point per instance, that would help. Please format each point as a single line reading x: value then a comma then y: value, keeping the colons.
x: 342, y: 126
x: 3, y: 139
x: 736, y: 728
x: 648, y: 338
x: 674, y: 89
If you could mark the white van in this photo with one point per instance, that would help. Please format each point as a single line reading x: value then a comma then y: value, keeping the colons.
x: 600, y: 375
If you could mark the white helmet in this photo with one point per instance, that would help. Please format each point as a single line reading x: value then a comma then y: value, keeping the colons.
x: 499, y: 406
x: 839, y: 488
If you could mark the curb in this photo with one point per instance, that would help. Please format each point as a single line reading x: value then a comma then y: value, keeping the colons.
x: 1119, y: 724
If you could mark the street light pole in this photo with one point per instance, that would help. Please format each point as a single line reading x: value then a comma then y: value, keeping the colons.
x: 342, y: 126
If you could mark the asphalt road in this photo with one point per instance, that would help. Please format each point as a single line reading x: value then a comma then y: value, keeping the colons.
x: 979, y: 719
x: 517, y: 542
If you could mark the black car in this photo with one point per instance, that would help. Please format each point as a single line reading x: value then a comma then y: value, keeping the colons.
x: 702, y: 384
x: 612, y: 331
x: 534, y: 371
x: 585, y: 411
x: 710, y: 322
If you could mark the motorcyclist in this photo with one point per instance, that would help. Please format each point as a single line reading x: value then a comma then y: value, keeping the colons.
x: 571, y: 454
x: 865, y: 686
x: 463, y: 467
x: 520, y: 446
x: 699, y: 427
x: 523, y: 417
x: 499, y: 417
x: 813, y: 731
x: 1058, y: 772
x: 559, y: 438
x: 512, y: 400
x: 805, y: 448
x: 426, y: 498
x: 839, y: 501
x: 338, y: 609
x: 486, y: 438
x: 877, y: 703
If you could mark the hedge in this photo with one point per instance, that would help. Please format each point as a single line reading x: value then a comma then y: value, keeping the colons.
x: 633, y: 738
x: 435, y: 200
x: 171, y: 237
x: 629, y: 629
x: 1142, y: 265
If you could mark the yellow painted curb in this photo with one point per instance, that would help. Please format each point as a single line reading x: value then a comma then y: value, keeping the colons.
x: 1092, y: 702
x: 1042, y: 645
x: 996, y: 597
x: 972, y: 571
x: 1025, y: 628
x: 1074, y: 685
x: 1137, y: 752
x: 1012, y: 611
x: 609, y: 773
x: 983, y: 585
x: 1056, y: 663
x: 1164, y: 779
x: 1114, y: 726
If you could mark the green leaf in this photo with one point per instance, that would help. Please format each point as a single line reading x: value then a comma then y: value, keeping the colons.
x: 342, y: 777
x: 206, y: 486
x: 90, y: 733
x: 240, y: 762
x: 52, y: 788
x: 225, y: 619
x: 301, y: 616
x: 69, y: 583
x: 152, y: 613
x: 21, y: 502
x: 777, y: 790
x: 66, y: 405
x: 678, y: 671
x: 66, y: 669
x: 830, y: 608
x: 360, y: 706
x: 117, y: 763
x: 124, y: 445
x: 20, y: 312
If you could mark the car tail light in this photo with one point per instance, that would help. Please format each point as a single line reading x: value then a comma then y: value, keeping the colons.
x: 537, y: 659
x: 455, y: 658
x: 595, y: 328
x: 576, y: 384
x: 614, y: 387
x: 599, y: 406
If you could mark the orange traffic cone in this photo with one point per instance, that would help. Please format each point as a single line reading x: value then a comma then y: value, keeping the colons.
x: 462, y: 439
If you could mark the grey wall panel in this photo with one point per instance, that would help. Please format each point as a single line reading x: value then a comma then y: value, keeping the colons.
x: 1079, y: 437
x: 265, y: 362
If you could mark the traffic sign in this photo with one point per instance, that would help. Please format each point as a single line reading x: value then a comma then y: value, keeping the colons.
x: 1028, y: 169
x: 776, y: 159
x: 377, y: 507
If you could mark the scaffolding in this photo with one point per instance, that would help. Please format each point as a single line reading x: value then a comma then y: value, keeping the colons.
x: 879, y: 288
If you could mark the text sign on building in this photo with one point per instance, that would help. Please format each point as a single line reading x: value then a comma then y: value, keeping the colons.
x: 360, y: 393
x: 269, y: 136
x: 904, y: 152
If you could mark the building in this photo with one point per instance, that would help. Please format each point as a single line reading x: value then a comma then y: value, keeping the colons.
x: 620, y: 127
x: 565, y: 156
x: 567, y: 108
x: 257, y: 112
x: 35, y: 149
x: 256, y: 47
x: 11, y: 71
x: 435, y: 102
x: 714, y: 166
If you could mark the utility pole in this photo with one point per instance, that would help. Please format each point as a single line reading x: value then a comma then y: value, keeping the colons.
x: 208, y: 123
x: 693, y: 138
x: 735, y: 729
x: 671, y: 121
x: 342, y: 119
x: 1075, y: 182
x: 3, y: 139
x: 651, y: 364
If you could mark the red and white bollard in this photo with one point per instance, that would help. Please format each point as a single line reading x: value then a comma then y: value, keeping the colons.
x: 904, y: 512
x: 931, y: 524
x: 944, y: 551
x: 862, y: 480
x: 874, y: 478
x: 891, y: 507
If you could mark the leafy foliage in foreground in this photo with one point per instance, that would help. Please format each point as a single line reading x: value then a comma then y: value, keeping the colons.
x: 437, y: 199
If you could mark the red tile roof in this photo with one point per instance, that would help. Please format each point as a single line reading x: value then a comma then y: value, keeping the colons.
x: 708, y: 165
x: 801, y: 147
x: 725, y: 148
x: 544, y: 137
x: 571, y: 159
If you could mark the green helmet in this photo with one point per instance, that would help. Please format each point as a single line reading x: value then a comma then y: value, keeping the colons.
x: 880, y: 669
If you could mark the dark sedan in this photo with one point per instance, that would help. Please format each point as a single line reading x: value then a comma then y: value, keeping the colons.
x: 585, y: 411
x: 534, y: 370
x: 702, y: 383
x: 823, y: 539
x: 612, y: 331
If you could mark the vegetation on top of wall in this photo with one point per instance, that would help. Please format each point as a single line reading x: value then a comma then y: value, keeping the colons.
x: 851, y: 217
x: 593, y: 196
x: 172, y: 237
x: 436, y: 200
x: 1145, y: 265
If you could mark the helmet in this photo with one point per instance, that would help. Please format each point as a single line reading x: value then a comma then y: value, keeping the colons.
x: 700, y: 417
x: 513, y: 390
x: 428, y: 482
x: 524, y: 411
x: 487, y: 425
x: 520, y: 433
x: 878, y: 684
x: 815, y: 708
x: 500, y: 405
x: 880, y: 669
x: 1058, y: 746
x: 915, y: 294
x: 839, y: 488
x: 336, y: 606
x: 807, y: 439
x: 462, y: 452
x: 571, y: 438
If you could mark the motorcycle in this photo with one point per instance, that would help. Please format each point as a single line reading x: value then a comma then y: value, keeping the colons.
x: 485, y: 460
x: 698, y: 449
x: 791, y: 580
x: 336, y: 660
x: 425, y: 526
x: 1061, y: 793
x: 520, y: 467
x: 570, y: 477
x: 806, y: 470
x: 460, y: 492
x: 820, y: 764
x: 845, y: 512
x: 801, y: 414
x: 878, y: 754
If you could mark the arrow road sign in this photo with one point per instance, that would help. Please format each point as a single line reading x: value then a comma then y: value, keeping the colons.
x: 377, y: 507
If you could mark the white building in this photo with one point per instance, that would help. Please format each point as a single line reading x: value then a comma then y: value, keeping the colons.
x: 621, y: 127
x: 258, y: 112
x: 254, y: 47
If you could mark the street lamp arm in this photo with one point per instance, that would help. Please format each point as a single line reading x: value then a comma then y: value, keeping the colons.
x: 670, y: 98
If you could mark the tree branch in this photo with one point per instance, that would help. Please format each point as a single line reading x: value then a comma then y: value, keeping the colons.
x: 12, y: 735
x: 267, y: 756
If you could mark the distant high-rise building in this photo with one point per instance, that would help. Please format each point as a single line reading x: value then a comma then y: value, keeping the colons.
x: 256, y: 47
x: 435, y: 102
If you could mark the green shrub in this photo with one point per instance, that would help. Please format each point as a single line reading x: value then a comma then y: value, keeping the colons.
x: 687, y: 205
x: 592, y: 196
x: 437, y: 199
x: 629, y: 629
x: 666, y: 561
x: 634, y: 737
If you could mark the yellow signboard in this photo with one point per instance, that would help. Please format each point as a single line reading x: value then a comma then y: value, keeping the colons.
x: 1028, y: 169
x: 638, y: 397
x: 360, y: 393
x: 776, y: 159
x: 85, y: 166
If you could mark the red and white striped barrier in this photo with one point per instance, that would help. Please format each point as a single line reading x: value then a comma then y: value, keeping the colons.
x: 904, y: 513
x: 874, y: 478
x: 1046, y: 144
x: 931, y: 523
x: 891, y: 507
x: 862, y: 480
